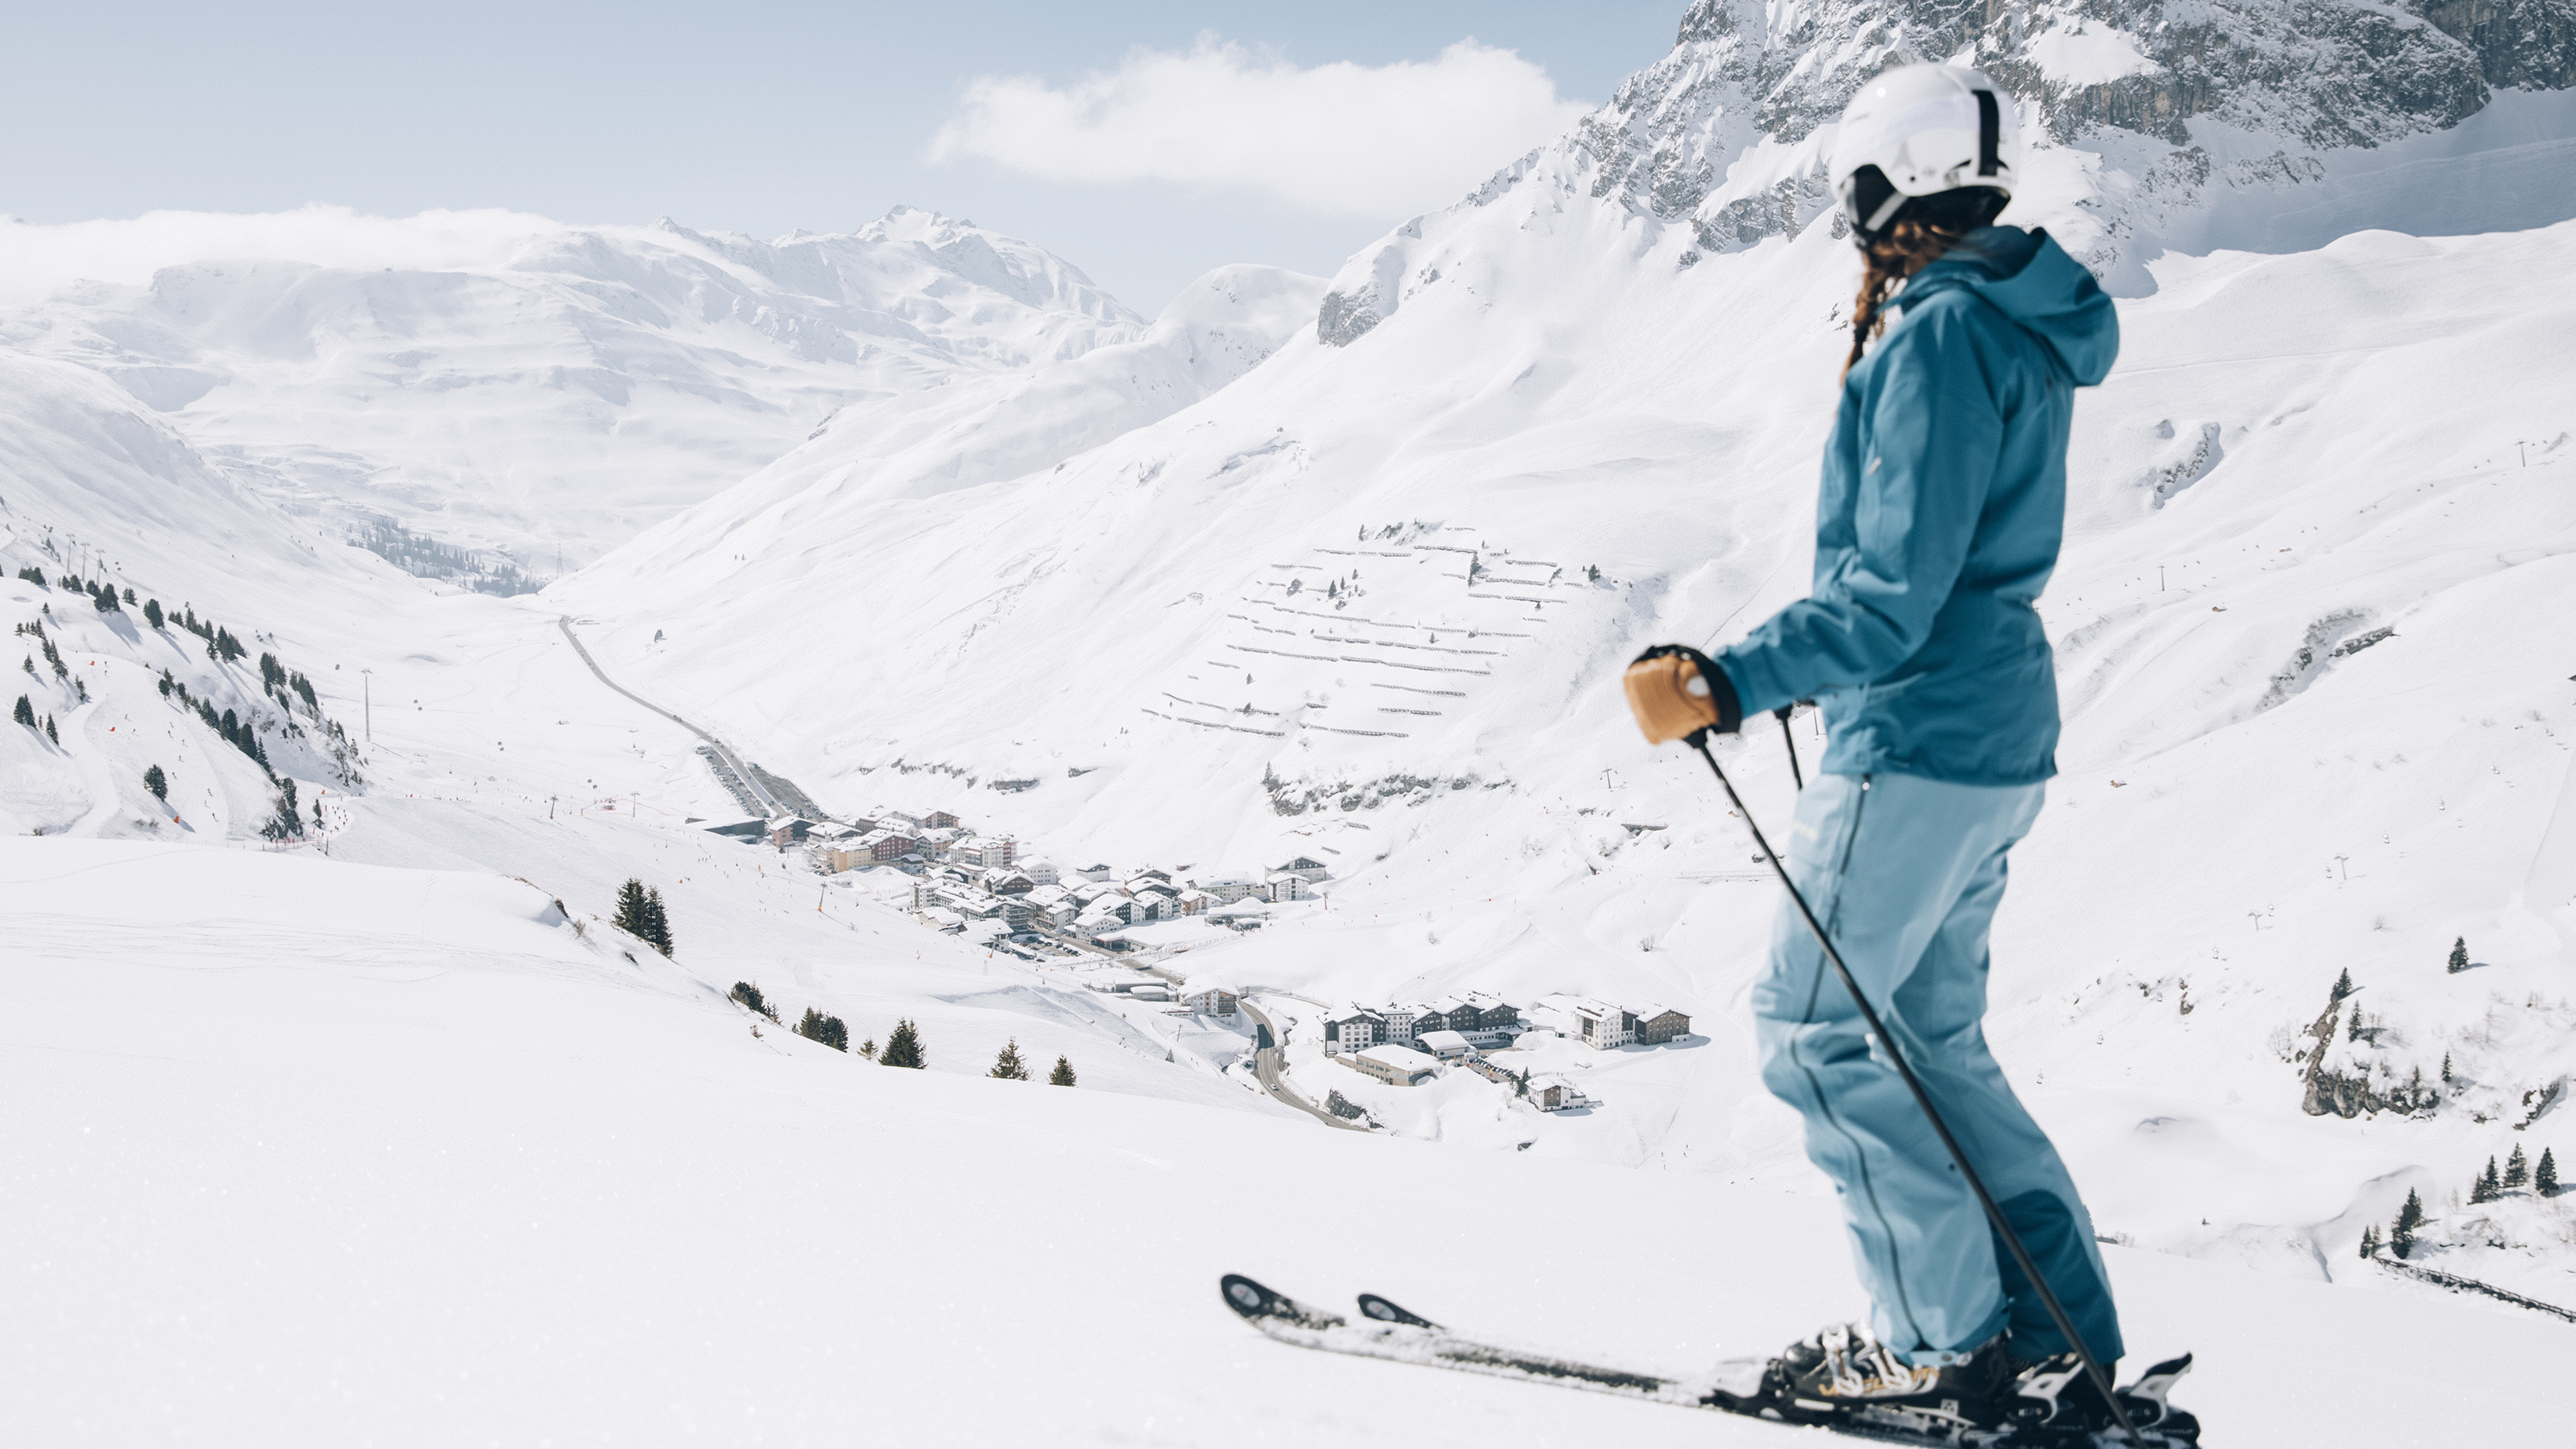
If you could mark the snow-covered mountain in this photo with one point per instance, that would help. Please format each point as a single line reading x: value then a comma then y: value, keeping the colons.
x: 1368, y: 603
x: 562, y: 388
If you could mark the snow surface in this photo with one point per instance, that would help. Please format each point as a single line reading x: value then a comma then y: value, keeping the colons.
x: 310, y: 1152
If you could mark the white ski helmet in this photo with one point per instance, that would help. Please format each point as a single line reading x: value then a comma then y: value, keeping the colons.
x: 1920, y: 130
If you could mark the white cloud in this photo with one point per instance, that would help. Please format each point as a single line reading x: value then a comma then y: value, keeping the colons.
x: 1353, y: 140
x: 37, y: 260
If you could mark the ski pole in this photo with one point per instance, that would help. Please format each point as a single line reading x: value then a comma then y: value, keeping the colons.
x: 1782, y: 715
x: 1923, y: 1099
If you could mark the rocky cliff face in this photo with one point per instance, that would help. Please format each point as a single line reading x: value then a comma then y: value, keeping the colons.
x: 2135, y: 110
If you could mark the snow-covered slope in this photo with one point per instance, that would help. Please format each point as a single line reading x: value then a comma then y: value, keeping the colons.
x: 304, y: 1152
x: 560, y: 387
x: 1348, y: 606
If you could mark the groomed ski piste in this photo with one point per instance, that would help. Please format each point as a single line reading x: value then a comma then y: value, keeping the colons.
x: 384, y: 1134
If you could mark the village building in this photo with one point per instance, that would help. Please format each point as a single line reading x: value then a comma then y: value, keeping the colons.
x: 883, y: 846
x: 1041, y: 871
x: 787, y: 830
x: 1096, y: 872
x: 1305, y: 867
x: 1352, y: 1030
x: 1210, y: 1001
x: 1600, y: 1025
x: 1008, y: 883
x: 1149, y: 877
x: 898, y: 820
x: 939, y: 919
x: 1394, y: 1065
x: 1448, y: 1046
x: 941, y: 820
x: 1229, y: 888
x: 1195, y: 902
x: 1655, y: 1025
x: 1548, y: 1094
x: 742, y: 830
x: 1286, y: 887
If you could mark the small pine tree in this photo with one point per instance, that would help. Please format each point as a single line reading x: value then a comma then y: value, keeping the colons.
x: 129, y: 596
x: 2517, y: 1168
x: 749, y: 995
x: 2446, y: 1066
x: 2343, y: 984
x: 166, y: 683
x: 903, y: 1048
x: 657, y: 922
x: 49, y: 730
x: 2352, y: 1032
x: 826, y: 1029
x: 2459, y: 956
x: 1062, y: 1076
x: 2486, y: 1187
x: 868, y: 1049
x: 2370, y: 1241
x: 157, y: 783
x: 2544, y: 1178
x: 1008, y: 1065
x: 633, y: 911
x: 2401, y: 1234
x: 25, y: 713
x: 152, y: 612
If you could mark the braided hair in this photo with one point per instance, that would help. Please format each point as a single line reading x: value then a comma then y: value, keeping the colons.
x: 1924, y: 229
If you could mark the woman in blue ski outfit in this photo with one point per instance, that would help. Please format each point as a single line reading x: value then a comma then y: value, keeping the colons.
x: 1937, y: 525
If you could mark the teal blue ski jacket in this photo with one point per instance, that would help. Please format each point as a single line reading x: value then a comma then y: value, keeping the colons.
x: 1938, y: 521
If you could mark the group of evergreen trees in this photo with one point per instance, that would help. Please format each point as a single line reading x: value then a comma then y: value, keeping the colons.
x: 2490, y: 1185
x: 287, y: 823
x: 2487, y: 1186
x: 25, y: 714
x: 276, y: 679
x: 1010, y: 1068
x: 237, y: 733
x: 640, y: 914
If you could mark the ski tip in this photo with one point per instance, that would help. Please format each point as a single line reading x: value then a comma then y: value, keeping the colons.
x: 1248, y: 1298
x: 1384, y: 1311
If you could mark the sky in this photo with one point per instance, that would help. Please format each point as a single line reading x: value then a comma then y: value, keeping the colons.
x: 1145, y: 142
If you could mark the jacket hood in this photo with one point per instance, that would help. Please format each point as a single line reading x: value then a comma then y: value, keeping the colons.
x: 2028, y: 277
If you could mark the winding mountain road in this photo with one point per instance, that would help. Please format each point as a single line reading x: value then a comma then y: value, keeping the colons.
x: 741, y: 767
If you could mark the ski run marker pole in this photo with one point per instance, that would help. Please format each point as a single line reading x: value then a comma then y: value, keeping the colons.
x: 1923, y: 1099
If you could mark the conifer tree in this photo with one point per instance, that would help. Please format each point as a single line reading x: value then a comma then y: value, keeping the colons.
x: 1008, y: 1065
x: 25, y: 713
x: 2459, y: 956
x: 129, y: 596
x: 152, y: 612
x: 166, y: 682
x: 749, y: 995
x: 868, y: 1049
x: 633, y: 909
x: 49, y: 730
x: 2487, y: 1187
x: 2370, y: 1241
x: 2517, y: 1168
x: 826, y: 1029
x: 107, y: 601
x: 2401, y: 1234
x: 2446, y: 1066
x: 903, y: 1048
x: 1062, y: 1076
x: 2544, y: 1178
x: 657, y: 923
x: 157, y: 783
x: 2343, y: 984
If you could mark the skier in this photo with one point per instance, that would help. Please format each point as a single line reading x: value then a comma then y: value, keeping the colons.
x: 1937, y: 524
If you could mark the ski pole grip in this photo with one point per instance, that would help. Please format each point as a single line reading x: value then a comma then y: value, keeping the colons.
x: 1670, y: 697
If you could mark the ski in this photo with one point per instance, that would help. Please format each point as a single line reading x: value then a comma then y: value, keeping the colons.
x: 1391, y: 1333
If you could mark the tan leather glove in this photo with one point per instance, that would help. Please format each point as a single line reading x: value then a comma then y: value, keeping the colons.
x: 1677, y: 694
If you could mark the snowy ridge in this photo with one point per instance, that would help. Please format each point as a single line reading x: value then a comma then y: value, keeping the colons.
x: 566, y: 387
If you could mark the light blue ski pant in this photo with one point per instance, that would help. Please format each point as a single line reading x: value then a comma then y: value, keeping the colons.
x: 1906, y: 873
